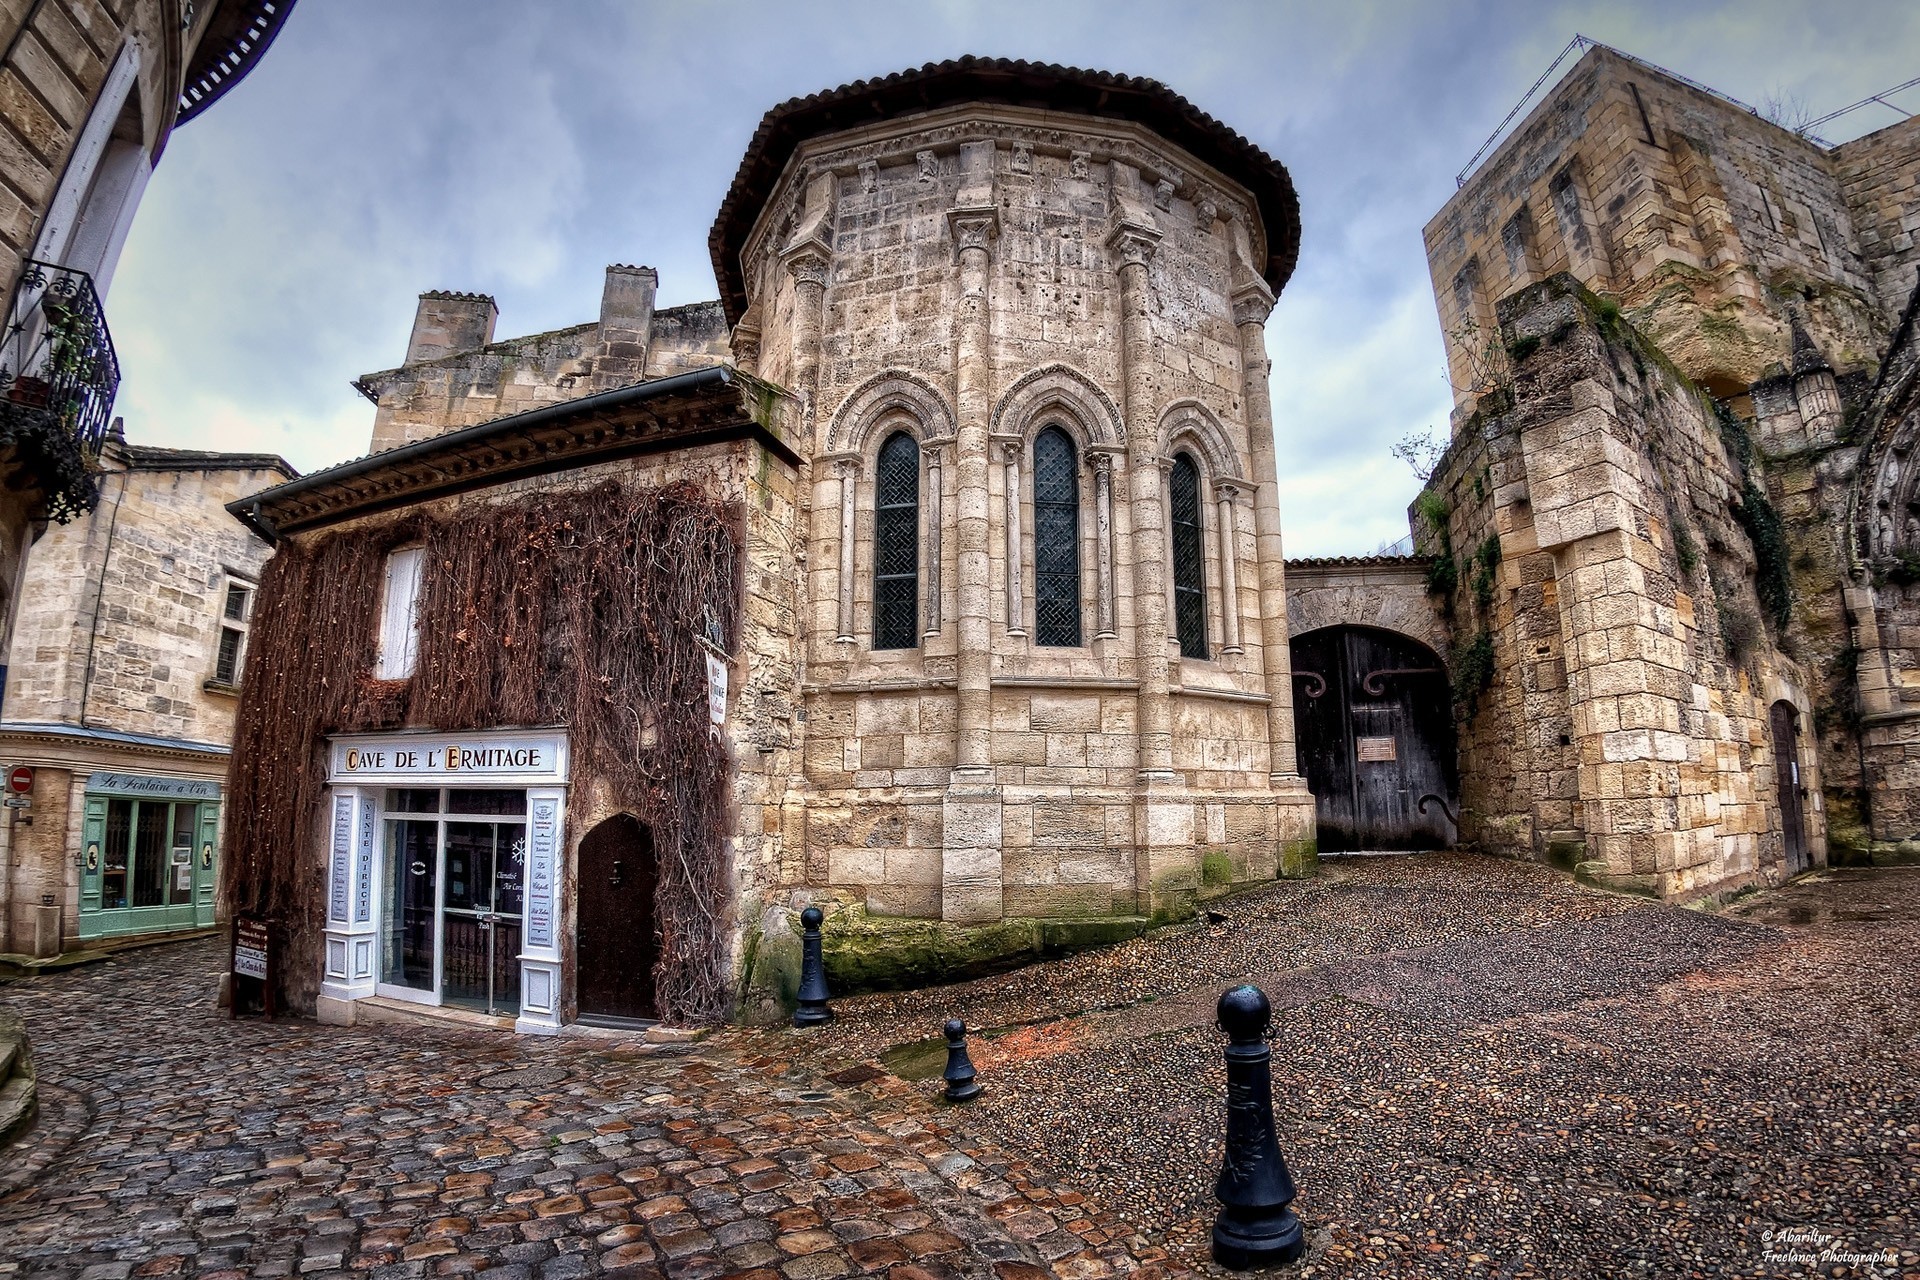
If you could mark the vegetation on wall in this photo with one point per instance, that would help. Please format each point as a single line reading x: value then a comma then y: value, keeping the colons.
x: 586, y: 609
x: 1443, y: 575
x: 1472, y: 671
x: 43, y: 446
x: 1773, y: 570
x: 1486, y: 563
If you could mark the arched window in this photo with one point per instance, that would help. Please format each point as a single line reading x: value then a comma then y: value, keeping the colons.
x: 1189, y: 559
x: 896, y: 544
x: 1056, y: 539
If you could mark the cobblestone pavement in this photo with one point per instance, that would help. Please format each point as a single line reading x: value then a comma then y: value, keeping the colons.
x: 215, y: 1148
x: 1482, y: 1071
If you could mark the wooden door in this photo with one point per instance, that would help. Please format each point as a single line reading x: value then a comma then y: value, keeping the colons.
x: 1373, y: 717
x: 619, y: 940
x: 1786, y: 780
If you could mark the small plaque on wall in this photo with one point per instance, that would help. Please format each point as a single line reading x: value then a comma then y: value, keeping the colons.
x: 1374, y: 750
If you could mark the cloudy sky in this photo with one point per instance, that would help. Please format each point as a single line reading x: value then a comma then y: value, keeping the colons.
x: 515, y: 147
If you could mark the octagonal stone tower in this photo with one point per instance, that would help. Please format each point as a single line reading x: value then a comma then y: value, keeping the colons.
x: 1045, y: 668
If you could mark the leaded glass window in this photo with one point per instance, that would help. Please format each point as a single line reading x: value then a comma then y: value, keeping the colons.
x: 1189, y: 559
x: 1056, y: 539
x: 896, y: 544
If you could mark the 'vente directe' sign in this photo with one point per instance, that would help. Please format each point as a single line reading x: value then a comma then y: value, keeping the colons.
x: 449, y: 759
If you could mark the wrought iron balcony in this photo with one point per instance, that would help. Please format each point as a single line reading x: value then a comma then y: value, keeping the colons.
x: 58, y: 377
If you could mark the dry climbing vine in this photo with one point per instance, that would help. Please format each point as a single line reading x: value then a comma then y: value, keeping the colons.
x: 590, y: 609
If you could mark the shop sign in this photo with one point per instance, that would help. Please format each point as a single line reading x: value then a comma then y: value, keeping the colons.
x: 444, y: 760
x: 342, y: 849
x: 543, y: 829
x: 250, y: 948
x: 134, y: 784
x: 716, y: 693
x: 363, y: 867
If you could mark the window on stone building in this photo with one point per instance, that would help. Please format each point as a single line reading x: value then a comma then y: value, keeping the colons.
x: 236, y: 614
x: 1056, y: 539
x: 400, y: 615
x: 1189, y: 558
x: 896, y: 544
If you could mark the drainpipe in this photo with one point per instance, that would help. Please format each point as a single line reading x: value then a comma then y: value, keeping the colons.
x: 99, y: 590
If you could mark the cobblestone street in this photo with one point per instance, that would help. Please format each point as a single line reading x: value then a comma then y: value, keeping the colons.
x: 1482, y: 1070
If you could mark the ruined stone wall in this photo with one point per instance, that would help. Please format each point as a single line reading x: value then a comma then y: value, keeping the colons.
x: 1880, y: 174
x: 1882, y: 598
x: 121, y: 617
x: 1705, y: 221
x: 858, y: 304
x: 1620, y: 703
x: 494, y: 379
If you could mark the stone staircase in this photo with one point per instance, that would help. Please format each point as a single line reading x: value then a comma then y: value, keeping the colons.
x: 16, y: 1079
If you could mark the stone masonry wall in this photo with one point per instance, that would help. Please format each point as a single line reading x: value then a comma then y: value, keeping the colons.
x: 1064, y: 747
x: 59, y: 54
x: 1627, y: 670
x: 123, y: 607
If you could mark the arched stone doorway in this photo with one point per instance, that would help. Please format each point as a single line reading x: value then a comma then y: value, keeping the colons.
x: 619, y: 940
x: 1373, y: 713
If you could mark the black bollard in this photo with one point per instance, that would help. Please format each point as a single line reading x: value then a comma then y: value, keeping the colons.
x: 813, y: 1009
x: 961, y: 1086
x: 1255, y: 1228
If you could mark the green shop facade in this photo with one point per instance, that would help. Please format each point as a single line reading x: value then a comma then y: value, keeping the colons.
x: 117, y: 835
x: 148, y: 853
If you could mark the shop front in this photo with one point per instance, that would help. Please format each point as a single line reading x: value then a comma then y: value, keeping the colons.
x: 148, y: 854
x: 444, y: 866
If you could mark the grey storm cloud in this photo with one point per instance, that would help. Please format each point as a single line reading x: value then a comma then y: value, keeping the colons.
x: 382, y: 149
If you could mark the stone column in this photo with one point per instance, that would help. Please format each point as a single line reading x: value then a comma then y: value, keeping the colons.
x: 971, y: 816
x: 1132, y: 247
x: 972, y: 522
x: 1224, y: 492
x: 808, y: 263
x: 847, y: 471
x: 1016, y: 572
x: 933, y: 449
x: 1252, y: 302
x: 1103, y: 544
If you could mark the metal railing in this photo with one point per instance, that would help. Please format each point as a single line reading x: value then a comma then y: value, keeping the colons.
x: 57, y: 355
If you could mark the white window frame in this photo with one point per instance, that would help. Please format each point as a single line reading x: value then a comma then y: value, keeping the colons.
x: 399, y: 640
x: 242, y: 625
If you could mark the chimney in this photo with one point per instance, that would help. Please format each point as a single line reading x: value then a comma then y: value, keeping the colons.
x: 626, y: 323
x: 450, y: 324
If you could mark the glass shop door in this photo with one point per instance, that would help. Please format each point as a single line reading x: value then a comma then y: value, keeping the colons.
x: 484, y: 907
x: 452, y: 900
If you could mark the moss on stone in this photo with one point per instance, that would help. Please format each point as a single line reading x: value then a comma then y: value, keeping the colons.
x: 1300, y: 859
x: 1216, y: 868
x: 1849, y: 841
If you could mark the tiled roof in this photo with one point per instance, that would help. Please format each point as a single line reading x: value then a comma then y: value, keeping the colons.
x: 997, y: 80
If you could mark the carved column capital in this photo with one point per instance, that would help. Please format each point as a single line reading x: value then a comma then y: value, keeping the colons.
x: 1132, y: 245
x: 973, y: 228
x: 1102, y: 464
x: 808, y: 262
x: 746, y: 345
x: 844, y: 465
x: 1252, y: 302
x: 1231, y: 489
